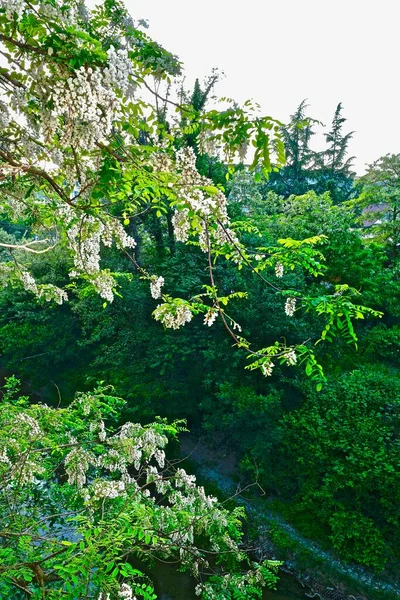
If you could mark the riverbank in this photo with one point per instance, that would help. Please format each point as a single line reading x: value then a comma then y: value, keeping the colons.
x: 324, y: 574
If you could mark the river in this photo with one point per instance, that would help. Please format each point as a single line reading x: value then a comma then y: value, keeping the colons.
x: 171, y: 585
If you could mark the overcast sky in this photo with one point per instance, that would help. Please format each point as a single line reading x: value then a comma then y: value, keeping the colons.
x: 280, y: 52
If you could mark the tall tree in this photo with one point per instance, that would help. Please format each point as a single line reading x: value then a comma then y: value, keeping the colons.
x: 335, y: 155
x: 297, y: 136
x: 300, y: 158
x: 308, y: 170
x: 380, y: 200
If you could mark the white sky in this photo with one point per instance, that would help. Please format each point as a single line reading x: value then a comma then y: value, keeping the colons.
x: 280, y: 52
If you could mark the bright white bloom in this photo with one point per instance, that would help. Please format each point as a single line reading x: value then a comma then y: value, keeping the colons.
x: 57, y: 294
x: 290, y: 357
x: 183, y: 479
x: 279, y: 269
x: 114, y: 461
x: 25, y: 471
x: 29, y: 283
x: 192, y: 191
x: 267, y: 367
x: 85, y: 236
x: 76, y: 465
x: 87, y: 102
x: 104, y: 283
x: 108, y: 489
x: 290, y: 306
x: 33, y: 429
x: 173, y: 317
x: 102, y: 431
x: 180, y: 222
x: 100, y: 427
x: 210, y: 316
x: 13, y: 7
x: 126, y: 592
x: 155, y: 286
x: 159, y: 455
x: 237, y: 326
x: 4, y: 458
x: 119, y: 71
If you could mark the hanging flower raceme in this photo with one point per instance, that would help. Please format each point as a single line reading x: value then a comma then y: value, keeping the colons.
x: 290, y: 306
x: 202, y: 207
x: 156, y: 284
x: 173, y: 315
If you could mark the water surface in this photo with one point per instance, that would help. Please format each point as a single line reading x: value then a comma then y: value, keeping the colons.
x: 171, y: 585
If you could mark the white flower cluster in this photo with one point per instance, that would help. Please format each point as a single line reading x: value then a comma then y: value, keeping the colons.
x: 52, y: 292
x: 29, y: 283
x: 4, y: 116
x: 85, y: 402
x: 126, y: 592
x: 267, y: 368
x: 119, y: 71
x: 13, y: 7
x: 48, y: 291
x: 85, y: 237
x: 279, y: 270
x: 173, y: 317
x: 206, y: 143
x: 4, y: 458
x: 232, y: 581
x: 99, y: 427
x: 192, y: 192
x: 290, y: 357
x: 104, y: 284
x: 77, y: 463
x: 290, y: 306
x: 54, y: 12
x: 26, y: 470
x: 161, y: 162
x: 156, y: 284
x: 108, y: 489
x: 181, y: 225
x: 210, y: 316
x: 87, y: 102
x: 135, y: 445
x: 185, y: 480
x: 30, y: 425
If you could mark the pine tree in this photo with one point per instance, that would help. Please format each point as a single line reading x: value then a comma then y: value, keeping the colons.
x: 300, y: 159
x: 297, y: 136
x: 335, y: 155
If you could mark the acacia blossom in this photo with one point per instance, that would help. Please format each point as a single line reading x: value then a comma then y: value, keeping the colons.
x: 126, y: 592
x: 279, y: 270
x: 290, y: 306
x: 210, y: 316
x: 156, y: 284
x: 290, y: 357
x: 173, y: 317
x: 267, y: 368
x: 198, y: 194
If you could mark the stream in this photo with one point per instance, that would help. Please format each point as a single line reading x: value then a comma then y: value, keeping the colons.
x: 171, y: 585
x: 217, y: 468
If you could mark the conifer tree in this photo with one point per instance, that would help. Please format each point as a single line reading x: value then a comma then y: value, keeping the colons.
x: 335, y: 155
x: 297, y: 136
